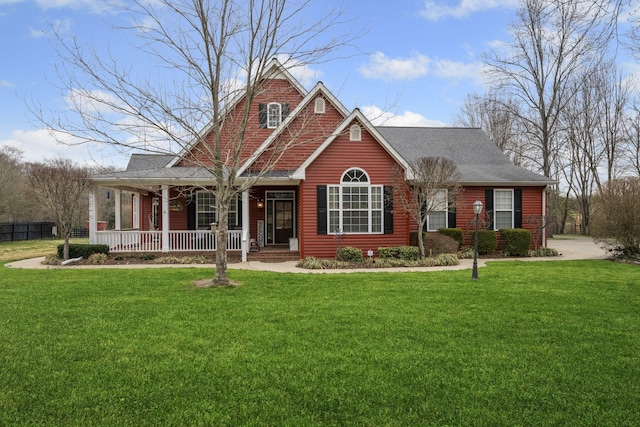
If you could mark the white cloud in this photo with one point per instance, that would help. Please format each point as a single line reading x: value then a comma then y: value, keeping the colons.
x: 302, y: 72
x: 59, y: 26
x: 434, y: 11
x: 382, y: 67
x: 93, y: 6
x: 389, y: 69
x: 454, y: 70
x: 378, y: 117
x: 40, y: 144
x: 5, y: 83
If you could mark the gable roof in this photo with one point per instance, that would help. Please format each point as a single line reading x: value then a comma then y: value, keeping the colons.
x: 319, y: 88
x: 275, y: 70
x: 479, y: 160
x: 356, y: 115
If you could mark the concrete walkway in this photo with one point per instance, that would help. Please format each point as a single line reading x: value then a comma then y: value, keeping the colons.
x: 570, y: 248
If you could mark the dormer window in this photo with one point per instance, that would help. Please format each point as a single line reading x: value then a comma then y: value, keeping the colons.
x: 355, y: 133
x: 272, y: 114
x: 319, y: 107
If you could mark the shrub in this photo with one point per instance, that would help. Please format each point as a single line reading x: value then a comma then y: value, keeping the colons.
x: 349, y: 253
x: 466, y: 253
x: 51, y: 260
x: 447, y: 259
x: 399, y: 252
x: 97, y: 259
x: 83, y: 250
x: 437, y: 243
x: 487, y: 241
x: 148, y: 257
x: 543, y: 252
x: 516, y: 241
x: 455, y: 233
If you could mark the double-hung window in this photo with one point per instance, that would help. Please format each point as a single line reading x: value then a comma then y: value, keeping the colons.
x: 437, y: 218
x: 206, y: 209
x: 355, y: 206
x: 503, y: 209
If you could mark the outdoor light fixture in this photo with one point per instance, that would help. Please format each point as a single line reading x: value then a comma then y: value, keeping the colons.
x: 477, y: 209
x: 260, y: 204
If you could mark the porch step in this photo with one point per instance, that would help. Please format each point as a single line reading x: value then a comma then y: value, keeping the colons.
x: 274, y: 255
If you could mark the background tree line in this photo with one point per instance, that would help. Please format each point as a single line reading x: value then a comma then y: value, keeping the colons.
x: 20, y: 201
x: 557, y: 103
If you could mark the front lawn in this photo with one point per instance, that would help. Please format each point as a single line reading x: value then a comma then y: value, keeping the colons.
x: 530, y: 343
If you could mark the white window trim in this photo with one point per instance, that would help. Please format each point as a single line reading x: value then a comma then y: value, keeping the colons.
x: 274, y: 119
x: 495, y: 206
x: 370, y: 209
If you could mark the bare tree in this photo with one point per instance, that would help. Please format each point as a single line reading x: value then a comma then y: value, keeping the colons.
x: 632, y: 139
x: 433, y: 187
x: 212, y: 58
x: 553, y: 41
x: 62, y: 189
x: 11, y: 188
x: 616, y: 216
x: 498, y: 118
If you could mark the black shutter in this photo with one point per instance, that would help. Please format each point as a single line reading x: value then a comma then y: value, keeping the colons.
x: 517, y: 208
x: 451, y: 217
x: 322, y: 209
x: 285, y: 111
x: 262, y: 115
x: 488, y: 205
x: 191, y: 213
x: 239, y: 213
x: 388, y: 209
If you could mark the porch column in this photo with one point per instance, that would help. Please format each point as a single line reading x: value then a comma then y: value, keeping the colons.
x: 245, y: 225
x: 117, y: 195
x: 93, y: 216
x: 165, y: 218
x: 136, y: 211
x: 544, y: 218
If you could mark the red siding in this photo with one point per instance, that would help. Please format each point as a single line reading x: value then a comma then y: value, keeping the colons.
x: 303, y: 136
x: 275, y: 90
x: 327, y: 169
x: 465, y: 218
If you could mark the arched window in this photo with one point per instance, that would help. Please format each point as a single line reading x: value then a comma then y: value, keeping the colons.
x: 319, y: 107
x: 355, y: 206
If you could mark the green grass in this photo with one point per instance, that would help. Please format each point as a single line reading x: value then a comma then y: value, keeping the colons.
x: 530, y: 343
x: 13, y: 251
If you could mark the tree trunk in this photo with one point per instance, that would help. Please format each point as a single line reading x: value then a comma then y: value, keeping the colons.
x: 222, y: 237
x: 65, y: 252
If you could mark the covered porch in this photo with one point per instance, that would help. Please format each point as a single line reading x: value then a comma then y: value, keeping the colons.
x: 162, y: 219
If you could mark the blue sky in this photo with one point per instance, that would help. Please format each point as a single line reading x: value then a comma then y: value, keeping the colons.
x: 417, y: 62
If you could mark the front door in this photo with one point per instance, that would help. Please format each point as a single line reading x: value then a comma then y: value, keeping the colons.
x: 283, y: 221
x: 280, y: 217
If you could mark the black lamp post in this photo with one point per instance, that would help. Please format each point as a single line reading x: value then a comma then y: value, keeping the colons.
x: 477, y: 208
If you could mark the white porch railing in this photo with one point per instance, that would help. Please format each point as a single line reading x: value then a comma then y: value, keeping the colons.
x: 179, y: 240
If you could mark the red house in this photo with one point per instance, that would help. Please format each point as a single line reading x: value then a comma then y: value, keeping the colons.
x: 337, y: 179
